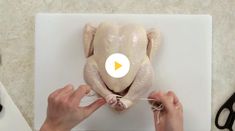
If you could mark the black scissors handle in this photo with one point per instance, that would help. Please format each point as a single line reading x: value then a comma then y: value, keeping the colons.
x: 1, y: 107
x: 231, y: 117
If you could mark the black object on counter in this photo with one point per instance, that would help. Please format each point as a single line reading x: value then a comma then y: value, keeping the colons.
x: 1, y: 107
x: 230, y: 120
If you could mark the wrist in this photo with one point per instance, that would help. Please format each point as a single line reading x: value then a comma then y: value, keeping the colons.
x: 49, y: 126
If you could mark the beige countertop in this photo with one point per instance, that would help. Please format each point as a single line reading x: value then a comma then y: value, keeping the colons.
x: 17, y: 39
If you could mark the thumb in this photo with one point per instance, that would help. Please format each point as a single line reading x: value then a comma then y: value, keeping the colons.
x: 94, y: 106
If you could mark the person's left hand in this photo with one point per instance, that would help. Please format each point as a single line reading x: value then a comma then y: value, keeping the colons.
x: 64, y: 112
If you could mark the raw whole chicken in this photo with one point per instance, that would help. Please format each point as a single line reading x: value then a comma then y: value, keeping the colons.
x: 131, y: 40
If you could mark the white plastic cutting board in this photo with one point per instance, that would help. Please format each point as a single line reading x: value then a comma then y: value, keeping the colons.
x: 10, y: 118
x: 182, y: 64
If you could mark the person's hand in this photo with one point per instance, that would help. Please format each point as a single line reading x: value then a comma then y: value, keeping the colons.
x: 171, y: 117
x: 64, y: 112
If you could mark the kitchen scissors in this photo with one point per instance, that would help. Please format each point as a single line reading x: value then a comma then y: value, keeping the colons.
x: 230, y: 119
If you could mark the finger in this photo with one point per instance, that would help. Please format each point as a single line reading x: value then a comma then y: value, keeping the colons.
x: 179, y: 107
x: 58, y: 91
x: 60, y: 95
x: 93, y: 106
x: 67, y: 94
x: 79, y: 93
x: 154, y: 95
x: 176, y: 102
x: 67, y: 89
x: 170, y: 96
x: 175, y: 98
x: 55, y: 94
x: 155, y: 99
x: 158, y: 99
x: 167, y: 101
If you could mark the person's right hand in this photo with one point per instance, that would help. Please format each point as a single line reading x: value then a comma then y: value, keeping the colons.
x: 171, y: 117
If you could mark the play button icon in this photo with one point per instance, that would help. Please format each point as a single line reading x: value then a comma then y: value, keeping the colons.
x: 117, y: 65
